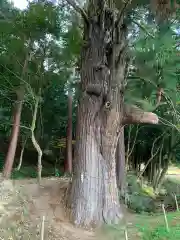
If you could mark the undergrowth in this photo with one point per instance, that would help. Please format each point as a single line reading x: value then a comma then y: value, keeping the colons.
x: 161, y: 233
x: 141, y: 197
x: 145, y: 227
x: 30, y: 172
x: 157, y: 229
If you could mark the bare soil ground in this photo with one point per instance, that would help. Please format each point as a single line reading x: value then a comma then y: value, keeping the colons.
x: 23, y: 203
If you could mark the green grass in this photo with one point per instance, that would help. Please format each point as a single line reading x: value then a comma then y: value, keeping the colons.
x: 154, y: 228
x: 161, y: 233
x: 145, y: 227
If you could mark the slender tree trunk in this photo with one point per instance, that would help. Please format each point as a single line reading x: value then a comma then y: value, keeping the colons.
x: 34, y: 141
x: 21, y: 155
x: 17, y: 118
x: 68, y: 161
x: 161, y: 177
x: 14, y: 135
x: 120, y: 162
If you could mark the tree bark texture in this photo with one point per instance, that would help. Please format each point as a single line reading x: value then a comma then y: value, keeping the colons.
x: 68, y: 161
x: 14, y: 136
x: 120, y: 162
x: 101, y: 114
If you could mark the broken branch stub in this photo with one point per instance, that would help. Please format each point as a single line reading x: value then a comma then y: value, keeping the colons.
x: 133, y: 114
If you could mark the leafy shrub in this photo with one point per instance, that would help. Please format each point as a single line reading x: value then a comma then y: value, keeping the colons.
x: 139, y: 198
x: 24, y: 172
x: 140, y: 204
x: 172, y: 188
x: 142, y: 198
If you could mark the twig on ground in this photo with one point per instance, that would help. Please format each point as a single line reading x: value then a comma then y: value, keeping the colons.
x: 126, y: 234
x: 177, y: 206
x: 42, y: 228
x: 165, y: 218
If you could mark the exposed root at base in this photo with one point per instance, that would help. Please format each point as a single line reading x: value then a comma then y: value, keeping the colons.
x: 112, y: 215
x: 109, y: 216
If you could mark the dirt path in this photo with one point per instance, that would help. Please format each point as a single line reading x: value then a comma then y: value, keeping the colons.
x: 30, y: 202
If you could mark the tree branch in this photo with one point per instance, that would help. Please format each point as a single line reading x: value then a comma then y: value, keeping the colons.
x: 133, y: 114
x: 121, y: 12
x: 78, y: 9
x: 143, y: 28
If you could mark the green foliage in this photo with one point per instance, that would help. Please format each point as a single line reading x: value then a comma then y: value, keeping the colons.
x: 141, y: 197
x: 43, y: 33
x: 140, y: 203
x: 25, y: 172
x: 137, y: 198
x: 31, y: 172
x: 144, y: 227
x: 171, y: 188
x: 155, y: 68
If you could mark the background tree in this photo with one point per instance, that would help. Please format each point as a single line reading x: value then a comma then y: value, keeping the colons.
x: 158, y: 81
x: 37, y: 44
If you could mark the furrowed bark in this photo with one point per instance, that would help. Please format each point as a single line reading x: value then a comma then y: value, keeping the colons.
x: 100, y: 117
x: 120, y: 162
x: 94, y: 193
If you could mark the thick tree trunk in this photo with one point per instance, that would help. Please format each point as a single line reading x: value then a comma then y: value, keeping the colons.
x: 120, y: 162
x: 68, y: 161
x: 94, y: 198
x: 101, y: 114
x: 94, y: 189
x: 14, y: 135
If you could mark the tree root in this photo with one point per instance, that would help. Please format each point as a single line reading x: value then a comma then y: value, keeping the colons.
x: 112, y: 215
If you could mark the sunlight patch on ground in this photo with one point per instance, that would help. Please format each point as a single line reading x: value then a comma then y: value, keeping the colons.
x: 173, y: 170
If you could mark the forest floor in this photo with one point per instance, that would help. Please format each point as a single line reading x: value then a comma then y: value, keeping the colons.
x: 23, y: 204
